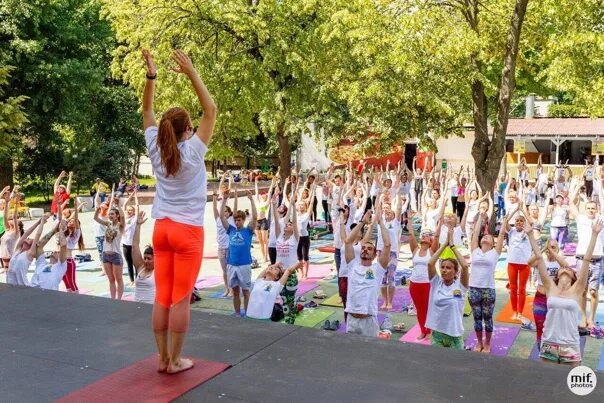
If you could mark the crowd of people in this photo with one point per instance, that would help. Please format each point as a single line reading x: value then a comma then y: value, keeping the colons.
x: 367, y: 208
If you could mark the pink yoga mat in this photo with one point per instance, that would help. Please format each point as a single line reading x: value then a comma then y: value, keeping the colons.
x: 412, y: 335
x: 501, y: 342
x: 305, y: 287
x: 318, y: 271
x: 208, y: 282
x: 401, y: 298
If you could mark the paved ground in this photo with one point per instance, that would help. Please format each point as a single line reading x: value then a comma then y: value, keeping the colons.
x: 91, y: 283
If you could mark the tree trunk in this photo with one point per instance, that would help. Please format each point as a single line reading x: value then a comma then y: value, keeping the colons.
x: 488, y: 152
x: 284, y: 154
x: 6, y: 172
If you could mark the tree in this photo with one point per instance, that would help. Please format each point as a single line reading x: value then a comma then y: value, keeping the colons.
x: 12, y: 118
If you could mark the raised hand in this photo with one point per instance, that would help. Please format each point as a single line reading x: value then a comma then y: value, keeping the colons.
x: 249, y: 194
x: 151, y: 67
x: 140, y: 218
x: 597, y: 226
x: 185, y: 65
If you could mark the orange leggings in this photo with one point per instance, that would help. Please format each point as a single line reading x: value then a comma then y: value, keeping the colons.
x: 177, y: 252
x: 518, y: 274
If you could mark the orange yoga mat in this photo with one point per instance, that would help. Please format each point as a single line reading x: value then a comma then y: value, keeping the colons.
x: 141, y: 382
x: 505, y: 315
x: 328, y: 249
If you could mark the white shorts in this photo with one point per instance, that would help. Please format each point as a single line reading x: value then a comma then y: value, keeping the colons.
x: 364, y: 326
x: 240, y: 276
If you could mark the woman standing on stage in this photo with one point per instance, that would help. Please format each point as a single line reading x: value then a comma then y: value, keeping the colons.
x: 177, y: 155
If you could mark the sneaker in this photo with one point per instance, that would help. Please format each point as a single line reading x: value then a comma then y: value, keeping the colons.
x: 311, y: 304
x: 530, y: 326
x: 411, y: 311
x: 387, y: 324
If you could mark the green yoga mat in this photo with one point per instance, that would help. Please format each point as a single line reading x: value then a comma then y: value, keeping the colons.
x: 467, y: 309
x: 312, y: 317
x: 334, y: 300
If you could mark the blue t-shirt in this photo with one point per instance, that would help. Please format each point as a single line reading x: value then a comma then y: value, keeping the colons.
x: 240, y: 246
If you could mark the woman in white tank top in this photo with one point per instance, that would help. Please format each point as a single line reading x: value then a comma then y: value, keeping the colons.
x: 559, y: 223
x: 560, y: 340
x: 112, y: 257
x: 419, y: 284
x: 144, y: 290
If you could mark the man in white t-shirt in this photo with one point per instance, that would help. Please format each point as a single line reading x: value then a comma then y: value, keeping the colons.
x: 265, y: 290
x: 365, y: 279
x: 584, y: 223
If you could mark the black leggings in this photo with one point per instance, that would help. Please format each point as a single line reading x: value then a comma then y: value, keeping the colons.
x: 272, y: 254
x: 326, y: 210
x: 303, y: 248
x: 128, y: 255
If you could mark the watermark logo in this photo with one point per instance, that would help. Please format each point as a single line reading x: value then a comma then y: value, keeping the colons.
x: 581, y: 380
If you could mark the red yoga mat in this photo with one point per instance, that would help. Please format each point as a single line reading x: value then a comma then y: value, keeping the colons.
x: 141, y: 382
x: 327, y: 249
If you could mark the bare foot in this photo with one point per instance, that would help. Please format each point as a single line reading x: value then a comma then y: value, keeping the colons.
x: 388, y: 306
x: 590, y: 324
x: 163, y: 364
x: 421, y: 337
x: 486, y: 349
x: 382, y: 307
x: 179, y: 366
x: 478, y: 347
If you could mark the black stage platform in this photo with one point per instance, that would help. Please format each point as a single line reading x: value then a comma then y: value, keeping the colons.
x: 54, y: 343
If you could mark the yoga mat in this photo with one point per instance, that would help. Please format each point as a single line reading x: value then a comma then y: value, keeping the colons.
x: 327, y: 249
x: 334, y: 300
x: 505, y: 315
x: 413, y: 334
x: 534, y: 356
x: 311, y: 317
x: 401, y: 298
x: 141, y: 382
x: 129, y: 297
x: 501, y: 342
x: 318, y: 271
x: 219, y: 294
x: 380, y: 319
x: 208, y: 282
x: 601, y: 363
x: 305, y: 287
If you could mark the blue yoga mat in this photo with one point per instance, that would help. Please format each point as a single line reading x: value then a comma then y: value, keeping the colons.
x: 601, y: 364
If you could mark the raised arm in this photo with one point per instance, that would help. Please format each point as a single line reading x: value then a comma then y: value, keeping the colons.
x: 225, y: 222
x: 252, y: 224
x: 6, y: 195
x: 137, y: 256
x: 413, y: 245
x: 69, y: 182
x: 385, y: 255
x: 99, y: 219
x: 58, y: 181
x: 538, y: 260
x: 149, y: 91
x: 274, y: 201
x: 208, y: 120
x: 464, y: 278
x: 501, y: 236
x: 348, y: 249
x: 434, y: 259
x: 288, y: 272
x: 294, y: 215
x: 215, y: 206
x: 583, y: 273
x: 476, y: 233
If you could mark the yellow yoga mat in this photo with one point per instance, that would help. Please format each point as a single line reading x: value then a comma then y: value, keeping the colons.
x: 334, y: 300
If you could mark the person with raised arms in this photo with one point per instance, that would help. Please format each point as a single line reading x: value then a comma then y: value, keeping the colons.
x: 48, y: 276
x: 560, y: 343
x: 447, y: 297
x: 365, y: 279
x: 144, y: 263
x: 178, y: 158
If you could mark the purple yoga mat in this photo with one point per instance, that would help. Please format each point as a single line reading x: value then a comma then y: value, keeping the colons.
x: 535, y: 351
x: 305, y: 287
x: 208, y: 282
x: 401, y: 298
x: 501, y: 342
x: 342, y: 328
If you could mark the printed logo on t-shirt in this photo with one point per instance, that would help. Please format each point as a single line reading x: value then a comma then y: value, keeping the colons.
x: 236, y: 239
x: 268, y: 287
x: 46, y: 269
x: 369, y: 275
x: 457, y: 293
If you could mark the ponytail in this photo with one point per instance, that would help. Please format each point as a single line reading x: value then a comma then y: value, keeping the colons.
x: 172, y: 126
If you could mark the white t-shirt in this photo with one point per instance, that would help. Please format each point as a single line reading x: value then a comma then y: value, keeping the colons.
x: 543, y: 178
x: 419, y: 272
x: 344, y: 267
x: 445, y: 309
x: 519, y: 250
x: 559, y: 217
x: 364, y: 284
x: 431, y: 219
x: 472, y: 207
x: 17, y: 269
x: 222, y: 238
x: 113, y: 237
x: 457, y: 235
x: 482, y: 274
x: 129, y: 230
x: 404, y: 188
x: 72, y: 240
x: 181, y: 198
x: 287, y: 251
x: 394, y: 230
x: 509, y: 207
x: 551, y: 267
x: 99, y: 229
x: 262, y: 298
x: 584, y: 236
x: 453, y: 186
x: 48, y: 276
x: 303, y: 224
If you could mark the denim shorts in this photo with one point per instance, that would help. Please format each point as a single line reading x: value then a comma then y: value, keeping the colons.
x: 113, y: 258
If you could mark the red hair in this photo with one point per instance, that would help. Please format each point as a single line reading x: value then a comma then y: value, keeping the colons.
x: 174, y: 123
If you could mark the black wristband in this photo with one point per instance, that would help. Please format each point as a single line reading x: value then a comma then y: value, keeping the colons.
x: 151, y: 77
